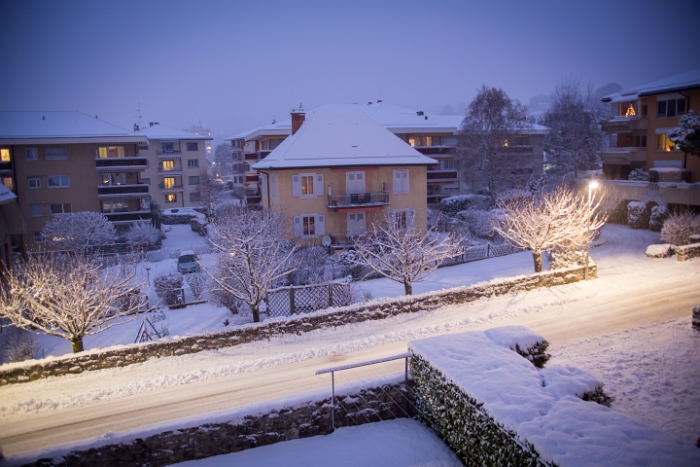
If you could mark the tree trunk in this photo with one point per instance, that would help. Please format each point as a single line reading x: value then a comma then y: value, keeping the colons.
x: 537, y: 257
x: 77, y: 344
x: 408, y: 288
x: 256, y: 312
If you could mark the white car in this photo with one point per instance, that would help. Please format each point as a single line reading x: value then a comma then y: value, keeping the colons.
x: 187, y: 262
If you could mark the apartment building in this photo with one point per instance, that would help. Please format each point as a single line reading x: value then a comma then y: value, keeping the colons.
x: 640, y: 120
x: 338, y: 173
x: 432, y: 135
x: 177, y: 165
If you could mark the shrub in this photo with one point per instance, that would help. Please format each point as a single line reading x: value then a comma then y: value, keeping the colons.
x: 143, y: 234
x: 20, y: 345
x: 168, y: 287
x: 637, y: 215
x: 310, y: 266
x: 678, y: 228
x: 480, y: 223
x: 638, y: 175
x: 454, y: 204
x: 660, y: 251
x: 618, y: 215
x: 658, y: 216
x: 198, y: 283
x: 669, y: 174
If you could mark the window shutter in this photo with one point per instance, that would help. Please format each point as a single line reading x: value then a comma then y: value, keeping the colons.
x: 297, y: 226
x: 273, y: 186
x: 411, y: 221
x: 404, y: 185
x: 320, y: 225
x: 397, y: 182
x: 319, y: 185
x: 296, y: 185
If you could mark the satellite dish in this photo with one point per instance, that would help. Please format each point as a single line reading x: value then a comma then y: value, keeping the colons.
x: 326, y: 240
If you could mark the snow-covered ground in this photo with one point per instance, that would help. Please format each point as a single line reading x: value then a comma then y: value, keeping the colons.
x: 565, y: 315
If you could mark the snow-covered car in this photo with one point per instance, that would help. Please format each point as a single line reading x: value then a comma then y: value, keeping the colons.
x: 187, y: 262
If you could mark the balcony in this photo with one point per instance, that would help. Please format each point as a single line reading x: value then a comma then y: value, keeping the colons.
x: 122, y: 190
x: 430, y: 150
x: 435, y: 176
x: 169, y: 152
x: 358, y: 200
x: 122, y: 163
x: 622, y: 124
x: 252, y: 178
x: 623, y: 156
x: 5, y: 166
x: 251, y: 157
x: 517, y: 150
x: 128, y: 216
x: 163, y: 186
x: 165, y: 168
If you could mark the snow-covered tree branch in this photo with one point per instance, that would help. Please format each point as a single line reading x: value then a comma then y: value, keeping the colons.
x: 70, y: 296
x: 253, y: 255
x: 687, y: 134
x: 404, y: 255
x: 560, y: 219
x: 79, y: 231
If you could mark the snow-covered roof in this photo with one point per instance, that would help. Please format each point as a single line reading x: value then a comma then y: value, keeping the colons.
x: 689, y: 79
x: 6, y: 195
x: 160, y: 133
x: 59, y: 125
x: 341, y: 140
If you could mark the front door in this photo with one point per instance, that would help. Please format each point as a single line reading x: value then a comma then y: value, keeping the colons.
x: 354, y: 182
x: 357, y: 223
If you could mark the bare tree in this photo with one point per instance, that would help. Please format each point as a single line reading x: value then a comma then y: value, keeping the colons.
x: 223, y: 159
x: 71, y: 296
x: 575, y: 138
x: 253, y: 255
x: 404, y: 255
x: 487, y: 154
x: 559, y: 219
x: 79, y: 231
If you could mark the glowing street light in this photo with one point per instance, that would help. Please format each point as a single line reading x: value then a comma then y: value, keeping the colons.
x: 591, y: 186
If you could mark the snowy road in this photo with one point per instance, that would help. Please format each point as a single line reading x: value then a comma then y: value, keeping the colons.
x: 631, y: 291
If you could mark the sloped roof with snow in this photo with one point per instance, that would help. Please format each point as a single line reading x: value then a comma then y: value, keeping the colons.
x: 689, y: 79
x: 56, y: 124
x: 6, y: 195
x: 341, y: 140
x: 158, y: 132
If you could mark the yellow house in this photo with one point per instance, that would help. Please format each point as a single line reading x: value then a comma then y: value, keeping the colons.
x: 338, y: 173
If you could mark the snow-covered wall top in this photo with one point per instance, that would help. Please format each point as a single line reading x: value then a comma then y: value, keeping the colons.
x: 542, y: 407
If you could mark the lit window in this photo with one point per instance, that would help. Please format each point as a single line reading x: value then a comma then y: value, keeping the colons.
x: 4, y: 155
x: 171, y: 198
x: 111, y: 152
x: 168, y: 182
x: 58, y: 181
x: 7, y: 182
x: 34, y: 182
x: 167, y: 166
x: 307, y: 184
x: 60, y: 208
x: 664, y: 143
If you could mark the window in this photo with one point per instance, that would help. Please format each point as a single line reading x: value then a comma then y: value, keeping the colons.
x: 58, y: 181
x: 36, y: 210
x: 663, y: 143
x: 449, y: 141
x: 143, y: 147
x: 193, y: 147
x: 171, y: 182
x: 114, y: 205
x: 192, y: 163
x: 195, y: 197
x: 167, y: 147
x: 31, y: 154
x: 34, y: 182
x: 640, y: 141
x: 670, y: 108
x: 171, y: 198
x: 56, y: 154
x: 401, y: 181
x: 113, y: 179
x: 38, y: 238
x: 448, y: 164
x: 194, y: 180
x: 4, y: 155
x: 309, y: 225
x: 145, y: 181
x: 112, y: 152
x: 403, y: 219
x: 60, y: 208
x: 167, y: 165
x: 7, y: 182
x: 307, y: 185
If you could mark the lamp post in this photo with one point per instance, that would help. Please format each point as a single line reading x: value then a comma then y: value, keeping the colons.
x: 591, y: 186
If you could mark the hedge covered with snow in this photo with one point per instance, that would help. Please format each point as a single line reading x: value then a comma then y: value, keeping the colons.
x: 493, y: 407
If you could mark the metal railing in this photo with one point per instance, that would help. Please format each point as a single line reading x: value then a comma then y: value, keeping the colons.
x: 332, y: 371
x: 358, y: 199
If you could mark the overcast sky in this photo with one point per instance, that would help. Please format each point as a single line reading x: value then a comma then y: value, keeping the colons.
x: 234, y: 65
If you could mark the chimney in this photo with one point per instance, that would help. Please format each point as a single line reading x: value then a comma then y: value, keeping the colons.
x: 298, y: 117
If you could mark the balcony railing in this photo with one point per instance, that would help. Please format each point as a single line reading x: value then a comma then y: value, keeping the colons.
x: 128, y: 216
x: 623, y: 155
x: 126, y: 162
x: 5, y: 166
x: 123, y: 190
x: 442, y: 175
x: 176, y: 168
x: 428, y: 150
x: 163, y: 186
x: 358, y: 199
x: 620, y: 124
x: 169, y: 152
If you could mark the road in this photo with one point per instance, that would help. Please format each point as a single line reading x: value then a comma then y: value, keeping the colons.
x: 631, y: 291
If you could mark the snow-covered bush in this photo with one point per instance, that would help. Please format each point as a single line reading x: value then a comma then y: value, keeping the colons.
x: 79, y: 231
x: 226, y: 300
x: 638, y: 175
x: 678, y: 228
x: 197, y: 282
x: 660, y: 251
x: 669, y: 174
x: 479, y: 222
x: 347, y: 263
x: 143, y: 234
x: 454, y: 204
x: 169, y: 287
x: 658, y: 216
x: 163, y: 330
x: 638, y: 215
x: 19, y: 345
x: 309, y: 266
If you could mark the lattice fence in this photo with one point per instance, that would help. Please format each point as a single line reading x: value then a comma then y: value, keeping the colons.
x: 480, y: 252
x: 286, y: 301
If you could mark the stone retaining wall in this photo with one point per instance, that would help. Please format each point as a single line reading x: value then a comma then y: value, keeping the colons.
x: 373, y: 310
x: 310, y: 419
x: 687, y: 252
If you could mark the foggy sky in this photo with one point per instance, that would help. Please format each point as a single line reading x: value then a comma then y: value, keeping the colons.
x: 234, y: 65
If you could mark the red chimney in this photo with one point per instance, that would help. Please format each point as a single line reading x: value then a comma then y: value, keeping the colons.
x: 298, y: 117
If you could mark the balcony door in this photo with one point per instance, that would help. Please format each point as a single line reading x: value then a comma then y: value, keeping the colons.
x: 355, y: 182
x: 357, y: 223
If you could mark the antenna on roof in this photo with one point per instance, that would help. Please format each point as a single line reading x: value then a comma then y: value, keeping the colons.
x: 139, y: 111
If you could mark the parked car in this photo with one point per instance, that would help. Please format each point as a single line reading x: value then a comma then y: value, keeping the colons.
x: 187, y: 262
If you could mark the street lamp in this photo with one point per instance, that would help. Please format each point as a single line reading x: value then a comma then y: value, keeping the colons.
x: 591, y: 186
